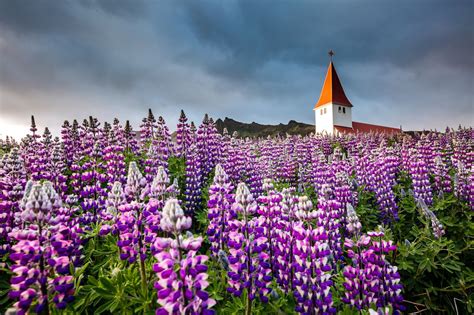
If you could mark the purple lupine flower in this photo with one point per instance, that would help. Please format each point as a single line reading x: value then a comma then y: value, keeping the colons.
x: 287, y: 209
x: 182, y: 277
x: 370, y: 279
x: 248, y: 259
x: 312, y: 278
x: 382, y: 186
x: 471, y: 189
x: 58, y: 167
x: 322, y: 174
x: 138, y: 223
x: 12, y: 183
x: 129, y: 138
x: 437, y: 227
x: 157, y: 147
x: 183, y: 136
x: 158, y: 192
x: 461, y: 182
x: 147, y: 131
x: 129, y: 225
x: 151, y: 161
x: 234, y: 164
x: 115, y: 199
x: 329, y: 216
x: 343, y: 193
x: 254, y: 176
x: 130, y: 222
x: 420, y: 176
x: 269, y: 210
x: 207, y: 147
x: 289, y: 169
x: 113, y: 155
x: 46, y: 245
x: 70, y: 141
x: 88, y: 173
x: 219, y: 210
x: 193, y: 182
x: 442, y: 180
x: 353, y: 225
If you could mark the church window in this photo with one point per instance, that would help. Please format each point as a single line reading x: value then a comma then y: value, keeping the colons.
x: 325, y: 110
x: 339, y: 109
x: 344, y: 110
x: 321, y: 111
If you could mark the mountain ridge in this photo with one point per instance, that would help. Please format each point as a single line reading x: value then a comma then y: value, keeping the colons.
x: 254, y: 129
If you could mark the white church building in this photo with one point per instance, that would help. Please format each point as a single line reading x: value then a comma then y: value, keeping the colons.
x: 333, y: 111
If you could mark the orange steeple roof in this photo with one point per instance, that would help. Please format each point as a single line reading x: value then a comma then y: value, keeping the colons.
x: 332, y: 91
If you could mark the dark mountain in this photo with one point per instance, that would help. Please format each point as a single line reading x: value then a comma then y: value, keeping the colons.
x: 258, y: 130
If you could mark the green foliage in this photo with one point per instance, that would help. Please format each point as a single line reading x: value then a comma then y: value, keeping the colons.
x: 5, y: 275
x: 105, y: 284
x: 367, y: 211
x: 177, y: 169
x: 436, y: 273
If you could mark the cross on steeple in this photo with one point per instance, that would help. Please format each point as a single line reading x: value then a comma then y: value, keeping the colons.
x: 331, y: 53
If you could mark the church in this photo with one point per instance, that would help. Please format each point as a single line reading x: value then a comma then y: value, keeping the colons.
x: 333, y: 111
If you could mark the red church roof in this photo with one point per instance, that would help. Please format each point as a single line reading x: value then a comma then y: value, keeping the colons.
x: 332, y: 90
x: 358, y: 127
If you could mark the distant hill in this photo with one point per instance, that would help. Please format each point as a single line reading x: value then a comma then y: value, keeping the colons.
x: 258, y: 130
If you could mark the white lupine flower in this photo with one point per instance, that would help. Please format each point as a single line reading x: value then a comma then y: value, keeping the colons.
x: 160, y: 182
x: 220, y: 177
x: 173, y: 218
x: 135, y: 179
x: 115, y: 198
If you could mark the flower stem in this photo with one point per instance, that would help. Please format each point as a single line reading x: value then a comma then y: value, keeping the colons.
x: 141, y: 261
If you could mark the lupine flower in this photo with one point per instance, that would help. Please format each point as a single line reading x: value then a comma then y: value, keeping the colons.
x: 441, y: 176
x: 159, y: 185
x: 329, y: 216
x: 135, y: 182
x: 219, y: 210
x: 173, y: 219
x: 421, y: 182
x: 353, y: 225
x: 371, y: 279
x: 193, y: 182
x: 183, y: 136
x: 182, y: 277
x: 248, y: 259
x: 46, y: 246
x: 312, y: 279
x: 437, y: 227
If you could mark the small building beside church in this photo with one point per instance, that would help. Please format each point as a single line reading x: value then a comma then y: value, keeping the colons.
x: 333, y: 111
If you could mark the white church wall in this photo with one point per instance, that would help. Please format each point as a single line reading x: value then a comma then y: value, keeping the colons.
x: 342, y: 115
x: 324, y: 119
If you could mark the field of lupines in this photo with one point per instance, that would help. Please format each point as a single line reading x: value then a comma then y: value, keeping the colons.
x: 107, y: 220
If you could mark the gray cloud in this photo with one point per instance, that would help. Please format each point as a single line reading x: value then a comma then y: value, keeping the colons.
x: 407, y: 63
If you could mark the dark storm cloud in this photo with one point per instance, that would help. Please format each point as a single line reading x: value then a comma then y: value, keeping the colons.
x: 400, y: 63
x: 253, y: 32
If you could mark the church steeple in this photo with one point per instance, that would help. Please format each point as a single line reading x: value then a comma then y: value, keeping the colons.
x: 332, y: 91
x: 333, y: 111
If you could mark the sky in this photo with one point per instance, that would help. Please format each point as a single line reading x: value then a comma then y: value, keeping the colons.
x: 408, y: 63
